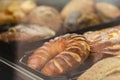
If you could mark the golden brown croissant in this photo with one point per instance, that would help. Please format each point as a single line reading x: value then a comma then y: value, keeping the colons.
x: 26, y: 33
x: 104, y: 42
x: 60, y: 55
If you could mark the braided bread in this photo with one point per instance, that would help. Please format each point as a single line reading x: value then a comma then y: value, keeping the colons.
x: 60, y: 55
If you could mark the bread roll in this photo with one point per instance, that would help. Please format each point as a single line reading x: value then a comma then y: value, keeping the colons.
x: 80, y: 20
x: 26, y: 33
x: 45, y: 16
x: 107, y: 11
x: 104, y: 43
x: 79, y: 14
x: 60, y: 55
x: 78, y: 6
x: 106, y: 69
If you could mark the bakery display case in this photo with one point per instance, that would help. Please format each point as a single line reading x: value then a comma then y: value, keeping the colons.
x: 59, y: 39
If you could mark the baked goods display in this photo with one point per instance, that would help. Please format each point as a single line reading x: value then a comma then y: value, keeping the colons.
x: 66, y: 53
x: 105, y: 42
x: 26, y: 33
x: 106, y: 69
x: 60, y: 55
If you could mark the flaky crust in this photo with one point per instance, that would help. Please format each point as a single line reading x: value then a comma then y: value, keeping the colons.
x: 104, y: 42
x: 60, y: 55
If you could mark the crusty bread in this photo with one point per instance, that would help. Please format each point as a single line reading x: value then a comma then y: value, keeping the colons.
x: 106, y: 69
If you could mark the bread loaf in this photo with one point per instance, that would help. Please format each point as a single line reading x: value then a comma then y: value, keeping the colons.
x: 106, y: 69
x: 60, y: 55
x: 26, y: 33
x: 104, y: 42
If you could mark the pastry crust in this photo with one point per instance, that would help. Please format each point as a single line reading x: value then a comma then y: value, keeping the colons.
x: 60, y: 55
x: 104, y: 42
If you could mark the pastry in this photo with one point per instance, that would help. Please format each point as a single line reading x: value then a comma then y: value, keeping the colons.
x: 26, y: 33
x: 45, y: 16
x: 106, y: 69
x: 104, y: 43
x: 79, y: 14
x: 60, y: 55
x: 78, y: 6
x: 15, y: 11
x: 107, y: 11
x: 80, y: 20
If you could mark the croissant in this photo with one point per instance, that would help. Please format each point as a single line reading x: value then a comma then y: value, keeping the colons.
x: 26, y: 33
x: 60, y: 55
x: 104, y: 43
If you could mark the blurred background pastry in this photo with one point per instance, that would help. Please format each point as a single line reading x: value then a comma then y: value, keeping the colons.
x: 79, y: 14
x: 28, y: 33
x: 17, y: 9
x: 45, y: 16
x: 107, y: 11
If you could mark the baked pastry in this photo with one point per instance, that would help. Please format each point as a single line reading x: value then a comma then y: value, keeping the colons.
x: 45, y: 16
x: 78, y: 6
x: 15, y: 11
x: 6, y: 18
x: 79, y: 14
x: 80, y: 20
x: 106, y: 69
x: 104, y: 43
x: 26, y: 33
x: 60, y: 55
x: 107, y: 11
